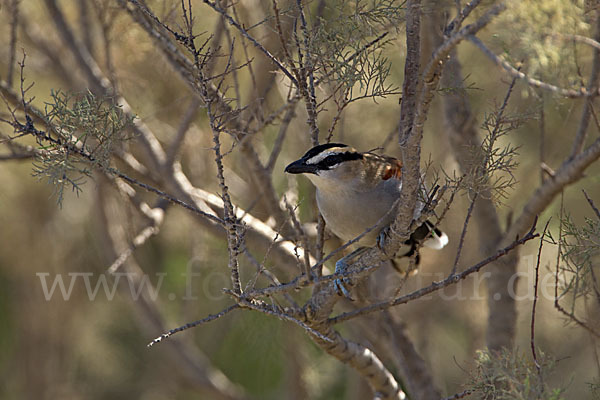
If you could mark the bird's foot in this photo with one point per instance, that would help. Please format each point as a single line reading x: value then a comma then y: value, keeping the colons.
x: 341, y: 266
x: 382, y: 238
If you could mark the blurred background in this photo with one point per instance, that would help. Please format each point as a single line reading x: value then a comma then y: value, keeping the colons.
x: 88, y: 342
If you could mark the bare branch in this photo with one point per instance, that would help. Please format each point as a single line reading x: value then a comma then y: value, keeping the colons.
x: 189, y: 325
x: 307, y: 69
x: 364, y: 361
x: 244, y: 33
x: 411, y: 153
x: 12, y: 50
x: 464, y: 232
x: 592, y: 204
x: 573, y: 317
x: 577, y: 38
x: 568, y: 173
x: 408, y: 106
x: 184, y: 126
x: 435, y: 286
x: 156, y: 216
x: 261, y: 306
x: 587, y: 107
x: 81, y: 54
x: 515, y: 73
x: 283, y: 128
x: 535, y: 298
x: 462, y: 14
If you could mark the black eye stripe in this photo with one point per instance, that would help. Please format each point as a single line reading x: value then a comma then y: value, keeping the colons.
x: 335, y: 159
x: 318, y: 149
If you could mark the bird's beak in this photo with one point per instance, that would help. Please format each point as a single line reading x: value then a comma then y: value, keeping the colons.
x: 300, y: 167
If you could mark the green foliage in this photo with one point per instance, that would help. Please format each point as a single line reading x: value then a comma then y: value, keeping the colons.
x: 595, y: 390
x: 533, y: 40
x: 510, y: 375
x: 343, y: 47
x: 493, y: 162
x: 87, y: 130
x: 500, y: 160
x: 580, y: 248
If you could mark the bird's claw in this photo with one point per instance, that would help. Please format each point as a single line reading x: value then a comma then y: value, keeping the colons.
x: 383, y: 237
x: 338, y: 284
x: 341, y: 266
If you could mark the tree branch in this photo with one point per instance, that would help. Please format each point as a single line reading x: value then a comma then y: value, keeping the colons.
x: 570, y: 171
x: 587, y: 107
x: 515, y: 73
x: 435, y: 286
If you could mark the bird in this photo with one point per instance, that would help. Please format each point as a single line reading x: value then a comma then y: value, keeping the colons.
x: 358, y: 194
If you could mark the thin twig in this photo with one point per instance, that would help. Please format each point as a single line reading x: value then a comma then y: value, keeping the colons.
x: 270, y: 311
x: 245, y: 33
x: 542, y: 141
x: 456, y: 23
x: 353, y: 56
x: 177, y: 142
x: 557, y: 305
x: 538, y: 366
x: 283, y: 42
x: 29, y: 128
x: 460, y: 395
x: 302, y: 235
x: 233, y: 234
x: 591, y: 204
x: 574, y: 318
x: 592, y: 85
x: 464, y: 232
x: 210, y: 318
x: 234, y: 229
x: 307, y: 67
x: 156, y: 216
x: 283, y: 128
x: 12, y: 50
x: 261, y: 270
x: 576, y: 38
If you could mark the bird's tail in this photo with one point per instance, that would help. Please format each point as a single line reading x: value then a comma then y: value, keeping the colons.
x: 432, y: 237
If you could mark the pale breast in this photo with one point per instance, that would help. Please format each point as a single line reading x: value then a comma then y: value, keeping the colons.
x: 348, y: 214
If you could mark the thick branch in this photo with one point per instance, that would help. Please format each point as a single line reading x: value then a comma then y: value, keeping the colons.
x: 411, y: 69
x: 364, y: 361
x: 321, y: 304
x: 570, y: 171
x: 435, y: 286
x: 412, y: 144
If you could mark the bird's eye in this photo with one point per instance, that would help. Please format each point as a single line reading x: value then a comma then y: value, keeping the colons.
x: 330, y: 162
x: 333, y: 160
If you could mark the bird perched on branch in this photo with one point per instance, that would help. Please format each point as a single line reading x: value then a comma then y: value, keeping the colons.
x: 357, y: 194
